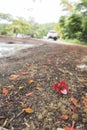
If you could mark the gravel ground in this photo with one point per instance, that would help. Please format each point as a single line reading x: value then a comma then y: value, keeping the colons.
x: 28, y: 99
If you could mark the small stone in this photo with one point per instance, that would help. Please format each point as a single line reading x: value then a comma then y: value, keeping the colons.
x: 40, y: 116
x: 60, y: 129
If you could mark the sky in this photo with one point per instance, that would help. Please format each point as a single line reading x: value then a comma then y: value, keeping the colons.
x: 42, y: 11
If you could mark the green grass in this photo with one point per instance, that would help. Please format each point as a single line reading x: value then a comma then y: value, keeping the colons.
x: 75, y: 41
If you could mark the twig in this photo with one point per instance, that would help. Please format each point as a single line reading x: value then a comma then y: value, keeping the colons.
x: 65, y: 71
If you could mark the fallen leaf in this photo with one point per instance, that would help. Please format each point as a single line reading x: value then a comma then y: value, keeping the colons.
x: 74, y: 108
x: 70, y: 128
x: 75, y: 117
x: 28, y: 110
x: 74, y: 101
x: 38, y: 88
x: 23, y: 104
x: 5, y: 91
x: 21, y: 87
x: 84, y: 120
x: 31, y: 81
x: 10, y: 87
x: 13, y: 77
x: 64, y: 117
x: 85, y: 110
x: 24, y: 73
x: 85, y: 102
x: 29, y: 94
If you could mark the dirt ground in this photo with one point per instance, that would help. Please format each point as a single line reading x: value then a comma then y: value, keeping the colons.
x: 28, y: 100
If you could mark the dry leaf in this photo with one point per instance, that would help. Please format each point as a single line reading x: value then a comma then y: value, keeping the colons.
x: 85, y: 102
x: 85, y: 110
x: 29, y: 94
x: 21, y: 87
x: 13, y: 77
x: 70, y: 128
x: 75, y: 116
x: 23, y: 104
x: 38, y: 88
x: 84, y: 120
x: 28, y: 110
x: 64, y: 117
x: 75, y: 102
x: 10, y: 87
x: 31, y: 81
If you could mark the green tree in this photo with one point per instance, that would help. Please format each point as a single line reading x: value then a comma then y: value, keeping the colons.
x: 3, y: 26
x: 84, y: 29
x: 61, y: 26
x: 74, y: 26
x: 19, y: 26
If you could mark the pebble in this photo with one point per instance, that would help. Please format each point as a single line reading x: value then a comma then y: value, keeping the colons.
x: 60, y: 129
x: 40, y: 116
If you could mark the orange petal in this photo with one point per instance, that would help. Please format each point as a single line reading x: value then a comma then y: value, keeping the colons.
x: 5, y: 91
x: 31, y: 81
x: 28, y: 110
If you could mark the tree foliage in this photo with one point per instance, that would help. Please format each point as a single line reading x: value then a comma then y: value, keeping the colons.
x: 16, y: 26
x: 20, y: 26
x: 82, y: 7
x: 74, y: 25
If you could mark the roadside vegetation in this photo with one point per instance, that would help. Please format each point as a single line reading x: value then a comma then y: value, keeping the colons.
x: 73, y: 27
x: 70, y: 27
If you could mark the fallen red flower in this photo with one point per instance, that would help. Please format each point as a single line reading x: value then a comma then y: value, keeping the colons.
x: 70, y: 128
x: 61, y: 87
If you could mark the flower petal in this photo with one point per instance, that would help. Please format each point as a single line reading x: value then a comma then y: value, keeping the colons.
x: 56, y: 86
x: 64, y: 91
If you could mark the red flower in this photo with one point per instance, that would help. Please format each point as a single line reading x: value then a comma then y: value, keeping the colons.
x: 61, y: 87
x: 63, y: 83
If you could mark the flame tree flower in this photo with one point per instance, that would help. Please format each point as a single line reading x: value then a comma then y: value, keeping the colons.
x: 61, y: 87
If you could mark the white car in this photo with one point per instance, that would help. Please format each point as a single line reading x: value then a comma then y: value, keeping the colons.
x: 52, y: 34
